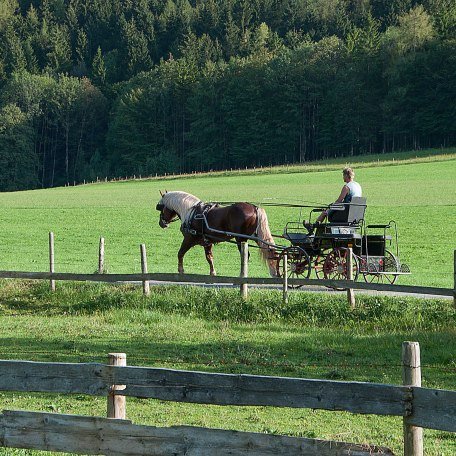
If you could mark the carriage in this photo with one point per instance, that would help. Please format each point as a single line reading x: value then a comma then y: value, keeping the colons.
x: 325, y: 252
x: 371, y: 250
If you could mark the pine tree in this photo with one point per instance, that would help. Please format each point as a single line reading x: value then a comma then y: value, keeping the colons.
x: 98, y: 68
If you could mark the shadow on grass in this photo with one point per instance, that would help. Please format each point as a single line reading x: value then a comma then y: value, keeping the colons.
x: 317, y: 354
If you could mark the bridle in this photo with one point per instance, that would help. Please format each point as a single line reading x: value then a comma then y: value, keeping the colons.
x: 160, y: 208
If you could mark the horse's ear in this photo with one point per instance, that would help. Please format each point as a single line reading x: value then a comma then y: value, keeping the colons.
x: 161, y: 193
x: 166, y: 191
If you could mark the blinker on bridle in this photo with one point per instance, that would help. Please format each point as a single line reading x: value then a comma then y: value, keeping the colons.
x: 160, y: 208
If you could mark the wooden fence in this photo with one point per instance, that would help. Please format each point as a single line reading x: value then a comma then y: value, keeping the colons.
x: 204, y: 279
x: 88, y: 435
x: 419, y: 407
x: 243, y: 281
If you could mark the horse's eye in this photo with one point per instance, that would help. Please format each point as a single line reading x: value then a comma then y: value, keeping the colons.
x: 160, y: 207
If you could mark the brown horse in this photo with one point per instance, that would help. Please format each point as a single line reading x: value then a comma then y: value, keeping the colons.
x: 239, y: 218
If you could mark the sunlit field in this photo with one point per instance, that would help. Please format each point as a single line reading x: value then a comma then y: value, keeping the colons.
x: 314, y: 335
x: 419, y: 195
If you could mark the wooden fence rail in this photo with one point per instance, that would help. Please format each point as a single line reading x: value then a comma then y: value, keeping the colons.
x: 204, y: 279
x: 89, y: 435
x: 429, y: 408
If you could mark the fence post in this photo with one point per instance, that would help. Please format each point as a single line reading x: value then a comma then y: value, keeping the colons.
x: 244, y: 268
x: 285, y: 278
x: 350, y: 291
x: 101, y: 253
x: 51, y: 259
x: 411, y: 376
x: 116, y: 404
x: 146, y: 289
x: 454, y: 286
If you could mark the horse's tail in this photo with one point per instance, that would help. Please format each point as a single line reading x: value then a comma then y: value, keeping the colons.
x: 267, y: 250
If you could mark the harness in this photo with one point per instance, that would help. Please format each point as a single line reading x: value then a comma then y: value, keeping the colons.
x: 196, y: 220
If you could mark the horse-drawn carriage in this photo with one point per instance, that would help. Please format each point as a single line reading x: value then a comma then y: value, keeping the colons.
x: 325, y: 252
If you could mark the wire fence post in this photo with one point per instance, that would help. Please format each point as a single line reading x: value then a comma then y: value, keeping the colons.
x: 454, y: 286
x: 116, y: 407
x: 285, y: 278
x: 350, y: 291
x: 101, y: 254
x: 244, y: 268
x: 411, y: 376
x: 51, y: 259
x: 146, y: 288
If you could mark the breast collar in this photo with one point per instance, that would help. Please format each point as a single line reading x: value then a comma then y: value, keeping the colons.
x: 198, y: 212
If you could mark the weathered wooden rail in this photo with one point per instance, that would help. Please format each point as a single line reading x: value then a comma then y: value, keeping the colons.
x: 89, y: 435
x: 205, y: 279
x: 205, y: 388
x: 422, y: 407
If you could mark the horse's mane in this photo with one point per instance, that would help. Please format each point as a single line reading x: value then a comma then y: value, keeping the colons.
x: 180, y: 202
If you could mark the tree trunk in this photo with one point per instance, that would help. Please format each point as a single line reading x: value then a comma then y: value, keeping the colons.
x: 67, y: 132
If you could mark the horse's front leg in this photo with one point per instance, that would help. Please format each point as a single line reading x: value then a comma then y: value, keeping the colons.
x: 185, y: 246
x: 210, y: 258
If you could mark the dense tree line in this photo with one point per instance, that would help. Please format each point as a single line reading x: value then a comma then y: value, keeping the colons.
x: 120, y: 87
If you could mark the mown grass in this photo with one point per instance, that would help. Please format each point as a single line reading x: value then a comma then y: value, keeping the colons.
x: 332, y: 164
x: 419, y: 194
x: 214, y: 330
x: 313, y: 336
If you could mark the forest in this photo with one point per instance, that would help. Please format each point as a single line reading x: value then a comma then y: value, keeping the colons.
x: 91, y: 89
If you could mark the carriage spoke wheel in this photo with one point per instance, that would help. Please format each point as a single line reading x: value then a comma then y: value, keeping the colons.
x: 318, y: 264
x: 335, y: 265
x: 388, y: 263
x: 298, y: 264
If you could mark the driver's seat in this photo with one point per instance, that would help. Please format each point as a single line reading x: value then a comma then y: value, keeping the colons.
x: 351, y: 214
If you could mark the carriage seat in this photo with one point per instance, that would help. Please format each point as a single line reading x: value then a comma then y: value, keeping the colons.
x: 298, y: 238
x: 351, y: 214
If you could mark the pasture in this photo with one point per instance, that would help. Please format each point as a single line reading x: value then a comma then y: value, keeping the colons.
x: 313, y: 336
x: 216, y: 331
x: 419, y: 194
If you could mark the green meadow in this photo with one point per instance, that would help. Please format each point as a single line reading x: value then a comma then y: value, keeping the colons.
x: 313, y: 336
x: 418, y: 193
x: 214, y: 330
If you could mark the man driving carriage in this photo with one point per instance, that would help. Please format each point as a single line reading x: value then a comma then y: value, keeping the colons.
x: 350, y: 190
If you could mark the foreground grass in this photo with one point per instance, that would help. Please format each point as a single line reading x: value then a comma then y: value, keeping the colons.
x: 419, y: 193
x: 314, y: 336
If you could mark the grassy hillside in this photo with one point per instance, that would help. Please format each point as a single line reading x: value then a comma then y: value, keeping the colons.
x: 418, y: 192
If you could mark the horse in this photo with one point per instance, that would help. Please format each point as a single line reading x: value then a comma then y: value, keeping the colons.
x: 239, y: 218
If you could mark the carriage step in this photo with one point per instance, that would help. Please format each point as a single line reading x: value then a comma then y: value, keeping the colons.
x: 405, y: 268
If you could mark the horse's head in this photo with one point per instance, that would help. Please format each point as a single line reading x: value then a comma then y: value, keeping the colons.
x: 167, y: 215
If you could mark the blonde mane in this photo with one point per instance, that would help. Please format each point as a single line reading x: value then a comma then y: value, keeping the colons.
x: 179, y: 202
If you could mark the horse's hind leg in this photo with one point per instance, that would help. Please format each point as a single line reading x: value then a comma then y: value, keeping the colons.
x: 210, y: 258
x: 185, y: 246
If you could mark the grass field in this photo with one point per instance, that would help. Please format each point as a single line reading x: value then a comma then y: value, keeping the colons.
x: 215, y: 331
x: 418, y: 193
x: 314, y: 336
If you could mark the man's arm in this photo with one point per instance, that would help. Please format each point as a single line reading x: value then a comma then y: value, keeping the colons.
x: 343, y: 194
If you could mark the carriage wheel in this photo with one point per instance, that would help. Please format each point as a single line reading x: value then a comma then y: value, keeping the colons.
x: 298, y: 264
x: 388, y: 263
x: 335, y: 266
x: 318, y: 264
